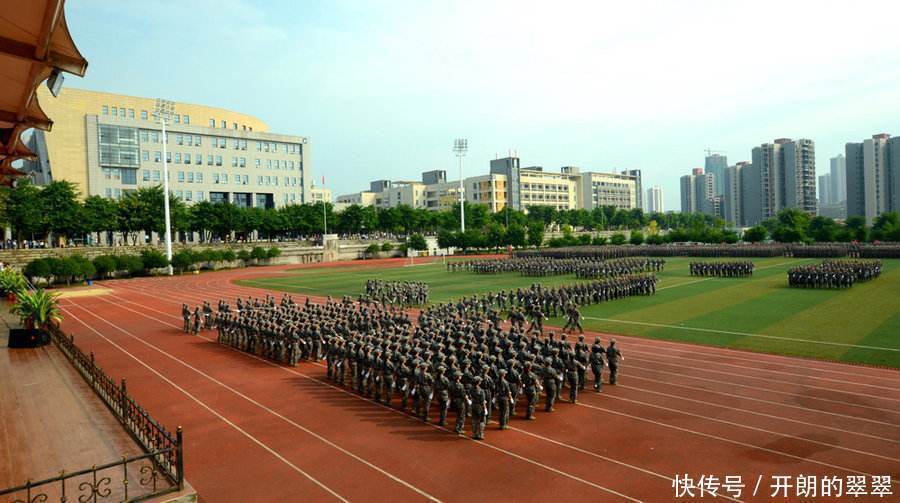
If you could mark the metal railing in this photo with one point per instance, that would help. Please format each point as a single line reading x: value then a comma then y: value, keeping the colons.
x: 161, y: 467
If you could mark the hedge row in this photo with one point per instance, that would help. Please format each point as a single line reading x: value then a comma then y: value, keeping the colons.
x: 77, y: 268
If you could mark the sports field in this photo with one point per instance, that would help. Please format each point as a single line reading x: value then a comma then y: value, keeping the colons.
x: 861, y: 324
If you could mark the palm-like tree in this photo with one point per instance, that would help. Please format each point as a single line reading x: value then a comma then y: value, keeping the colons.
x: 37, y: 309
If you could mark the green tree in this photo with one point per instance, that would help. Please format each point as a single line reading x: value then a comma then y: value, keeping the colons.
x: 25, y: 211
x: 536, y: 233
x: 515, y: 235
x: 637, y: 238
x: 62, y: 211
x: 617, y: 239
x: 100, y: 215
x: 886, y: 227
x: 417, y: 242
x: 858, y: 230
x: 755, y: 234
x: 823, y: 229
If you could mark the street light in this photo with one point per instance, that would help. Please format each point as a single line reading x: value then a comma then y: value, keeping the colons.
x: 460, y: 146
x: 164, y: 109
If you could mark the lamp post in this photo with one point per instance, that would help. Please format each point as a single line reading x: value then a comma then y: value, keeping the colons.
x: 460, y: 146
x: 165, y: 108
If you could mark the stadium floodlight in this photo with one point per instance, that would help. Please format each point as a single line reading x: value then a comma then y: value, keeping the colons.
x: 460, y: 147
x: 164, y: 109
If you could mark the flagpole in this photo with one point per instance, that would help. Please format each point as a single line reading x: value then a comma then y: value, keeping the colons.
x: 324, y: 216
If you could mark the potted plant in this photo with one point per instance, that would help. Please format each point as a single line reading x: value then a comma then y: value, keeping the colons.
x: 37, y: 310
x: 12, y: 283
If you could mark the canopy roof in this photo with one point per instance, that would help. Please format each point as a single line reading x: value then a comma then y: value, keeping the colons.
x: 34, y: 42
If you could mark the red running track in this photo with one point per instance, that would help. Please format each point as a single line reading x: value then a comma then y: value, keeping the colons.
x: 258, y: 431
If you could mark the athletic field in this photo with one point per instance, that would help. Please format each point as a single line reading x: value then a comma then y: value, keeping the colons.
x: 859, y: 325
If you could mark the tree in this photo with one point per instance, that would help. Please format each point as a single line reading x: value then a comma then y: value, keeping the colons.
x: 62, y: 212
x: 886, y: 227
x: 823, y: 229
x: 417, y: 242
x: 791, y: 226
x: 637, y: 237
x: 755, y: 234
x: 858, y: 231
x: 100, y: 215
x: 536, y: 233
x: 617, y: 238
x: 495, y: 237
x: 515, y: 235
x: 25, y: 211
x: 446, y: 239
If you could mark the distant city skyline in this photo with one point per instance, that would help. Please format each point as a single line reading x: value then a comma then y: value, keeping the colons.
x: 382, y: 92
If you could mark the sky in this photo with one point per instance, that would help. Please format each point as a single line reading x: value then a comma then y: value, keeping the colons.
x: 382, y: 88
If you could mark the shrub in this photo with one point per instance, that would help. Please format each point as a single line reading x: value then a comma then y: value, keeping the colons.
x: 655, y: 239
x: 82, y: 267
x: 617, y: 239
x: 637, y: 238
x: 183, y: 260
x: 387, y: 247
x: 243, y: 255
x: 273, y: 252
x: 600, y: 241
x: 153, y: 259
x: 228, y: 255
x: 584, y: 239
x: 105, y: 265
x: 372, y: 250
x: 38, y: 268
x: 133, y: 264
x: 63, y: 269
x: 258, y: 253
x: 13, y: 282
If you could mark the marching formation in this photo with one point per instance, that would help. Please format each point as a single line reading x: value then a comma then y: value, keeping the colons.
x: 833, y: 273
x: 462, y: 361
x: 618, y: 267
x: 396, y: 293
x: 739, y: 269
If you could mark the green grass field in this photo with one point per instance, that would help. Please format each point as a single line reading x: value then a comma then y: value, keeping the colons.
x: 860, y: 325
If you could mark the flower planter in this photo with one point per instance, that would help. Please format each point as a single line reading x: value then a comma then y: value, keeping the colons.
x: 28, y: 337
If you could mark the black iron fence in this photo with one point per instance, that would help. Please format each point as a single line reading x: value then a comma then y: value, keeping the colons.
x: 160, y: 469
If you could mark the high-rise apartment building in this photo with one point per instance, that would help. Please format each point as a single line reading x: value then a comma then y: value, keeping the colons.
x: 655, y: 199
x: 824, y: 189
x: 109, y: 144
x: 733, y: 199
x: 698, y: 193
x: 716, y: 164
x: 838, y: 179
x: 873, y: 176
x: 783, y: 175
x: 688, y: 194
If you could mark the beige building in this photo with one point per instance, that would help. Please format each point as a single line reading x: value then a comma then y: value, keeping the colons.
x: 109, y: 144
x: 542, y: 188
x: 319, y: 194
x: 607, y: 189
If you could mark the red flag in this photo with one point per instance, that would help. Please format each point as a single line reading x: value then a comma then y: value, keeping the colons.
x: 323, y: 180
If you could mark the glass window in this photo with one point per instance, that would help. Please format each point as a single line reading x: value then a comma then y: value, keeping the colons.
x: 115, y: 111
x: 105, y: 109
x: 197, y: 140
x: 246, y: 180
x: 223, y: 142
x: 187, y: 119
x: 287, y: 181
x: 187, y: 195
x: 212, y: 123
x: 109, y: 193
x: 199, y: 177
x: 189, y: 140
x: 291, y: 165
x: 259, y: 146
x: 168, y: 156
x: 156, y: 175
x: 178, y: 158
x: 237, y: 144
x: 224, y: 125
x: 145, y: 155
x: 224, y: 177
x: 122, y: 113
x: 268, y: 163
x: 218, y: 160
x: 256, y: 162
x: 187, y: 158
x: 198, y: 159
x: 215, y: 142
x: 233, y: 162
x: 144, y: 115
x: 145, y: 137
x: 285, y: 198
x: 118, y: 193
x: 243, y: 144
x: 266, y: 146
x: 215, y: 178
x: 209, y: 160
x: 234, y: 125
x: 179, y: 139
x: 190, y: 177
x: 275, y: 180
x: 177, y: 119
x: 259, y: 180
x: 157, y: 156
x: 200, y: 195
x: 243, y: 162
x: 181, y: 176
x: 179, y: 194
x: 131, y: 113
x: 155, y: 136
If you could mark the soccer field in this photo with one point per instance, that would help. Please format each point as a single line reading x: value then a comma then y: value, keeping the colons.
x: 861, y: 324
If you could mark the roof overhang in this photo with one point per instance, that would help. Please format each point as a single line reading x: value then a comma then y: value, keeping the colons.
x: 34, y: 43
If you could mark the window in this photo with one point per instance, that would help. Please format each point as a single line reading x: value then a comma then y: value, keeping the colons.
x: 256, y: 162
x: 177, y: 119
x: 157, y: 156
x: 287, y: 181
x: 179, y: 194
x: 187, y: 119
x: 179, y: 139
x: 200, y: 195
x: 243, y: 162
x: 233, y: 162
x: 197, y: 140
x: 209, y: 160
x: 246, y: 180
x: 237, y: 144
x: 190, y: 177
x: 224, y: 177
x: 237, y: 179
x: 145, y: 137
x: 155, y: 136
x: 291, y: 165
x: 223, y: 142
x: 178, y: 158
x: 268, y: 163
x: 198, y: 159
x: 212, y: 123
x: 187, y: 195
x: 215, y: 142
x: 144, y: 115
x: 215, y: 178
x: 218, y: 160
x: 129, y: 176
x: 122, y: 112
x: 156, y: 175
x: 131, y: 113
x: 109, y: 193
x: 266, y: 146
x: 115, y: 111
x: 224, y: 125
x: 285, y: 198
x: 259, y: 146
x: 275, y: 181
x: 198, y: 176
x: 285, y: 148
x: 181, y: 177
x: 259, y: 180
x: 145, y: 155
x: 243, y: 144
x: 105, y: 109
x: 187, y: 158
x: 118, y: 193
x: 189, y: 140
x: 168, y: 156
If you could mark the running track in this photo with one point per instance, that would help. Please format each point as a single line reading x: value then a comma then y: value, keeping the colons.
x: 258, y: 431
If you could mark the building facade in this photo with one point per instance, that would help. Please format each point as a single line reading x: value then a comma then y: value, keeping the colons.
x: 655, y: 199
x: 873, y: 176
x: 639, y: 190
x: 688, y: 194
x: 608, y: 189
x: 824, y: 189
x: 715, y: 164
x: 783, y: 176
x: 838, y: 179
x: 108, y: 145
x: 733, y: 199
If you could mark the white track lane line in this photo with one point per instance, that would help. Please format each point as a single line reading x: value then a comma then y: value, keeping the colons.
x: 272, y: 412
x: 210, y: 409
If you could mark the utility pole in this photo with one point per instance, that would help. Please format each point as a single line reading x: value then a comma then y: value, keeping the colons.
x: 460, y: 146
x: 164, y: 108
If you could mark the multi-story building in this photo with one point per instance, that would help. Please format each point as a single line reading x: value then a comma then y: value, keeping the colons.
x: 838, y: 179
x: 364, y: 198
x: 319, y: 194
x: 655, y: 199
x: 698, y: 193
x: 639, y: 191
x: 509, y: 168
x: 108, y: 144
x: 733, y: 199
x: 608, y: 189
x: 688, y: 194
x: 542, y: 188
x: 783, y: 176
x: 824, y: 189
x: 873, y: 176
x: 715, y: 164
